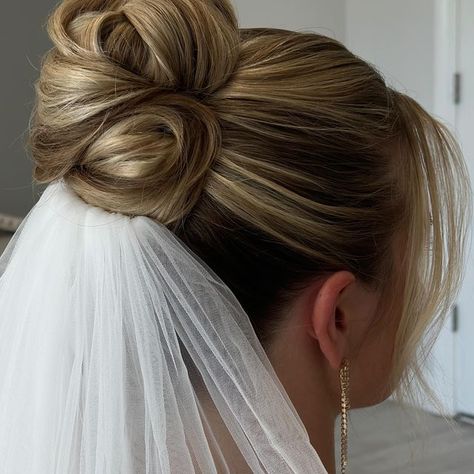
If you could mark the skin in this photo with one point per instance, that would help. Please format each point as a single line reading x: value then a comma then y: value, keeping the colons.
x: 338, y: 317
x: 335, y: 317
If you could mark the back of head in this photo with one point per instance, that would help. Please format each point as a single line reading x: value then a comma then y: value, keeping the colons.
x: 275, y: 155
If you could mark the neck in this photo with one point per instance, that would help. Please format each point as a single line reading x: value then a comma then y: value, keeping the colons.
x: 321, y: 435
x: 318, y: 417
x: 313, y: 400
x: 320, y: 428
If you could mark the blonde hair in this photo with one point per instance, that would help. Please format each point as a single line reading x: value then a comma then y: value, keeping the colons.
x: 271, y: 153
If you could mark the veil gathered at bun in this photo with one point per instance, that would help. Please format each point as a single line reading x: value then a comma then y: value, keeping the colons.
x: 119, y: 350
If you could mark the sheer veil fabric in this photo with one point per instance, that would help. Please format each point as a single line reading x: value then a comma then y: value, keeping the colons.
x: 121, y: 352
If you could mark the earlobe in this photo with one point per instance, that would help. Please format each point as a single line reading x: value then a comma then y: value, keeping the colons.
x: 328, y: 319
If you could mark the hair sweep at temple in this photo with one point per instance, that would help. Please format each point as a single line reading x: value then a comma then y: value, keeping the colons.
x: 277, y: 156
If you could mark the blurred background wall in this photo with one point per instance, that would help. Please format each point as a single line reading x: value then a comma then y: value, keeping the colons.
x: 23, y: 40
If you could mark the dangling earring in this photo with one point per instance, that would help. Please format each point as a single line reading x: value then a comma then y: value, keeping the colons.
x: 344, y: 377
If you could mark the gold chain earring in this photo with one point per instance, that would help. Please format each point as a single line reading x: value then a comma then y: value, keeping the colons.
x: 345, y: 405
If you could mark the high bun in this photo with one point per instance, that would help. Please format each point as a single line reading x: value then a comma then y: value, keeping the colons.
x: 122, y: 112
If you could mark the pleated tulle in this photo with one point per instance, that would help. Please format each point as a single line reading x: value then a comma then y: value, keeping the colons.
x: 121, y: 352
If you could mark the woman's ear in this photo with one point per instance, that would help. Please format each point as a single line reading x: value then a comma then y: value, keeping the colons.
x: 329, y: 317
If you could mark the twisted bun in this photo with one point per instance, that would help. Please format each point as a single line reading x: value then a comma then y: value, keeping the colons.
x: 121, y: 109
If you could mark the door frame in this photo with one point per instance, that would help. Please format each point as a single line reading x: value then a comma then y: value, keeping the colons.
x: 441, y: 365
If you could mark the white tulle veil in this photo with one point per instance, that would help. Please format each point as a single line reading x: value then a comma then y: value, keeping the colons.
x: 122, y: 352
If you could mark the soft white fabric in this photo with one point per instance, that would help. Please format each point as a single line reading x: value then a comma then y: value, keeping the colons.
x: 119, y: 348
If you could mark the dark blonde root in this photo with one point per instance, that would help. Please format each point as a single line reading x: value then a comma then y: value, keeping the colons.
x: 277, y: 156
